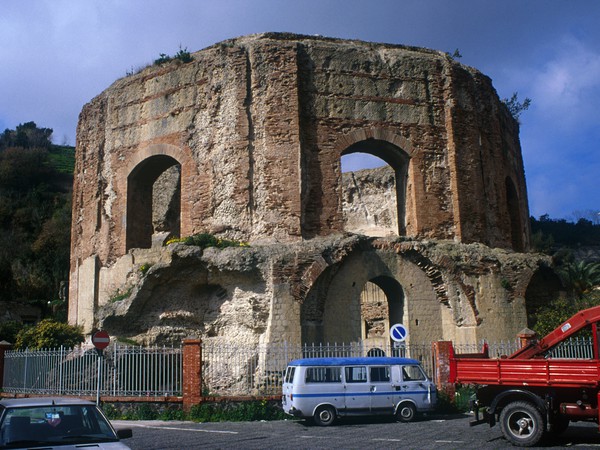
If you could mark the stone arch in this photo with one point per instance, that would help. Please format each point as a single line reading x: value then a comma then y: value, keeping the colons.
x: 514, y: 214
x: 141, y: 198
x: 150, y: 161
x: 331, y: 311
x: 393, y: 150
x: 544, y: 287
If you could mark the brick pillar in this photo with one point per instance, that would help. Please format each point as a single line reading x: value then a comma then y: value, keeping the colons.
x: 526, y: 337
x: 192, y: 373
x: 3, y: 347
x: 441, y: 367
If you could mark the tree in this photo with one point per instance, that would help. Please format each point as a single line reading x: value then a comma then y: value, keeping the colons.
x: 558, y: 311
x: 49, y: 334
x: 35, y: 217
x: 579, y: 278
x: 26, y: 135
x: 515, y: 107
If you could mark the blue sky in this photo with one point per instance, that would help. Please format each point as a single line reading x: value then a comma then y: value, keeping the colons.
x: 58, y: 54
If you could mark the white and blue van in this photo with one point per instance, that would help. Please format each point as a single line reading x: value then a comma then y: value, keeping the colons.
x: 323, y: 389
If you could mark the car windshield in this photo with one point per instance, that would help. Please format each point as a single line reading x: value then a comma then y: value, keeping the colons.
x: 54, y: 425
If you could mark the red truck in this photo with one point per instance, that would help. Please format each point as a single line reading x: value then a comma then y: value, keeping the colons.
x: 530, y: 393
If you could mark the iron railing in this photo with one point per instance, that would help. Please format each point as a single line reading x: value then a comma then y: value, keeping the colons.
x: 227, y: 369
x: 124, y: 371
x: 257, y: 370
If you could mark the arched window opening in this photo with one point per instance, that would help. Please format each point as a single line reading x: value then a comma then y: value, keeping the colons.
x: 516, y: 228
x: 374, y: 174
x: 153, y: 202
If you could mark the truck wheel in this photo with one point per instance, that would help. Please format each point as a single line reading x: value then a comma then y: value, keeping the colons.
x: 522, y: 424
x: 324, y: 416
x: 406, y: 412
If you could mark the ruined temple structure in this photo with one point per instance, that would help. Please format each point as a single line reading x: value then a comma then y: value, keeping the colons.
x: 245, y: 142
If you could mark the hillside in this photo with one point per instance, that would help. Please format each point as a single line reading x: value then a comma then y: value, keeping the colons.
x: 35, y: 219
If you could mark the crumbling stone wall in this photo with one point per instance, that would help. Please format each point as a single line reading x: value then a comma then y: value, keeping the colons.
x: 252, y: 132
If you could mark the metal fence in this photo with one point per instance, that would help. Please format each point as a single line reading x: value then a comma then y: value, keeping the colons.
x: 124, y: 371
x: 227, y: 369
x: 257, y: 370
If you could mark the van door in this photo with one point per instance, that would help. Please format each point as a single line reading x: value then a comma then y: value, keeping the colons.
x: 382, y: 395
x: 415, y: 386
x: 357, y: 390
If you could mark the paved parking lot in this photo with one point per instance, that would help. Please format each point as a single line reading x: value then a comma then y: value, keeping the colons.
x: 439, y: 432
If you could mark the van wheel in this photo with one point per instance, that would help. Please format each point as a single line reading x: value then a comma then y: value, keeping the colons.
x: 406, y: 412
x: 522, y: 424
x: 324, y: 416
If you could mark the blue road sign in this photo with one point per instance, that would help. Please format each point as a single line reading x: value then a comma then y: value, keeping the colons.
x: 398, y: 332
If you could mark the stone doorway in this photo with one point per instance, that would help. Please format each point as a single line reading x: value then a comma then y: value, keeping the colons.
x: 381, y: 305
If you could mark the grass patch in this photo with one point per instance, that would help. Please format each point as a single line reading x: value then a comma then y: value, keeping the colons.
x: 62, y: 158
x: 205, y: 240
x: 237, y: 412
x: 119, y: 295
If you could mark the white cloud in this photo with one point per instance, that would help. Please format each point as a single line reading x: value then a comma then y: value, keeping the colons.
x: 566, y: 90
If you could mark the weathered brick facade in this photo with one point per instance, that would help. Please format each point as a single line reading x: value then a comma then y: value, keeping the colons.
x: 256, y: 127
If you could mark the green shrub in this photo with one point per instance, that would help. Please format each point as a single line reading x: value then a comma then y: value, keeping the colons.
x: 460, y: 402
x: 205, y: 240
x: 162, y: 59
x: 49, y: 334
x: 182, y: 55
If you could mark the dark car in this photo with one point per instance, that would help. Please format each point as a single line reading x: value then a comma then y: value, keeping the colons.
x: 56, y: 423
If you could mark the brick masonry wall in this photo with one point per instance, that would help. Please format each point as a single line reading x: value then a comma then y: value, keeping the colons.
x: 258, y: 125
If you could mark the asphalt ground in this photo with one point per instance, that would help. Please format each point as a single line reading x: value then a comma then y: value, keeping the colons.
x: 436, y: 432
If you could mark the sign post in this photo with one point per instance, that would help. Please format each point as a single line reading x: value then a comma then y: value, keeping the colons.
x: 100, y: 339
x: 398, y: 334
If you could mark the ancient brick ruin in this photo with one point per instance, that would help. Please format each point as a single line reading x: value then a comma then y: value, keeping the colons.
x: 246, y: 142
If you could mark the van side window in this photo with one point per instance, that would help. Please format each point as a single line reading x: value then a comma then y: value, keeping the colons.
x: 412, y: 373
x: 323, y: 375
x: 357, y: 374
x: 379, y: 374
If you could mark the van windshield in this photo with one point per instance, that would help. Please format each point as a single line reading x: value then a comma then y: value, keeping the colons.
x: 413, y: 373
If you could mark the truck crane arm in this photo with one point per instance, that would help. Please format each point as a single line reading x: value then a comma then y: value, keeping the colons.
x: 565, y: 330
